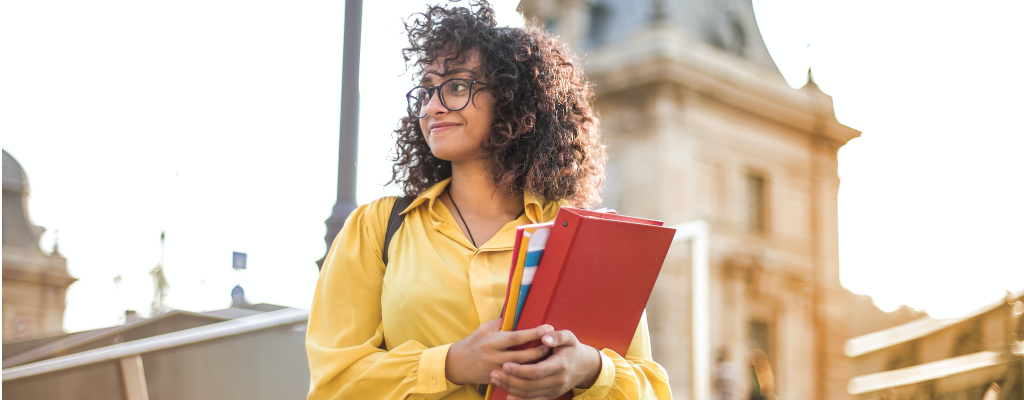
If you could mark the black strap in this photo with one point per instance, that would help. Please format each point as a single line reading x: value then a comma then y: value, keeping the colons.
x: 394, y: 222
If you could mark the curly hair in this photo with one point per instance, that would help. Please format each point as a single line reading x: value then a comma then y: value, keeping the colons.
x: 545, y: 137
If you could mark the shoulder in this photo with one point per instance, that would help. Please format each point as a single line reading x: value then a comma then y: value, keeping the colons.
x: 380, y: 208
x: 371, y: 219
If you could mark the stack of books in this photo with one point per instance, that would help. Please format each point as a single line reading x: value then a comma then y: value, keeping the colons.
x: 590, y: 272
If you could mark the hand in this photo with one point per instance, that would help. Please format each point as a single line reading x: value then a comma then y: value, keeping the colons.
x: 472, y: 359
x: 572, y: 365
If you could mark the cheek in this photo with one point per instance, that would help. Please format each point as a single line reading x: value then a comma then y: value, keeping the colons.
x: 424, y: 131
x: 483, y: 118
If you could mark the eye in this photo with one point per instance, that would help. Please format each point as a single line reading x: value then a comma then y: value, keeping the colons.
x: 459, y: 86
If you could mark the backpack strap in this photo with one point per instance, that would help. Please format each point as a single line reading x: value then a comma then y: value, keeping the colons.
x: 394, y: 222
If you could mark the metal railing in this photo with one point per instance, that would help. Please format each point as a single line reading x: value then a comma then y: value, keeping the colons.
x: 218, y: 330
x: 926, y: 372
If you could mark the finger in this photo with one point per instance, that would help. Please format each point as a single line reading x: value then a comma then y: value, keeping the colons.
x: 515, y: 338
x: 553, y: 365
x: 499, y: 378
x: 493, y: 325
x: 549, y: 387
x: 525, y: 356
x: 559, y: 338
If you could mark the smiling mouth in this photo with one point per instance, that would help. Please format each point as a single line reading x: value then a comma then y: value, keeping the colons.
x: 442, y: 128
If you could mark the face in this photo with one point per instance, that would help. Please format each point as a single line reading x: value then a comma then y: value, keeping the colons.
x: 457, y: 136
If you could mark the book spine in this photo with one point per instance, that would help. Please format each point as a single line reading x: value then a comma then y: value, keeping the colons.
x: 512, y: 269
x: 549, y: 272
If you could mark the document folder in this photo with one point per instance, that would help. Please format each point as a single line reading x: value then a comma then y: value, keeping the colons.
x: 594, y: 279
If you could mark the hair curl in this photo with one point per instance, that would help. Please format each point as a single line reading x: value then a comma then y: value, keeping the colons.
x: 545, y: 137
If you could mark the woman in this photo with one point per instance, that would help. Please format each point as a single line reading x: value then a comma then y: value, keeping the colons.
x: 500, y: 133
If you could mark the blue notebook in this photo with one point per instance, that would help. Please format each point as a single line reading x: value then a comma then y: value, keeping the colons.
x: 538, y: 238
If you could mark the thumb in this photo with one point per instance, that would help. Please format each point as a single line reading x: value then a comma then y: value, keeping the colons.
x: 559, y: 338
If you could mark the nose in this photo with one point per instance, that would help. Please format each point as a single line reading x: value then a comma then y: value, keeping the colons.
x: 434, y: 106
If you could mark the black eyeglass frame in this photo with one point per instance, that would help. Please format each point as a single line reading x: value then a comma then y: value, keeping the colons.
x: 430, y: 95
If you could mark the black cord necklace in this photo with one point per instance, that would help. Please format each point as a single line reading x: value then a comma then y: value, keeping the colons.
x: 464, y: 220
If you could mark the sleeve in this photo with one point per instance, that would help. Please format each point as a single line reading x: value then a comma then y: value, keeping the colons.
x: 635, y: 376
x: 345, y: 337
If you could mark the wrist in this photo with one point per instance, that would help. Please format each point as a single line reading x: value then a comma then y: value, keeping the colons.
x: 451, y: 363
x: 593, y: 369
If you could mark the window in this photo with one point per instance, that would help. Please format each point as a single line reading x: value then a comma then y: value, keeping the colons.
x: 599, y: 21
x: 760, y: 336
x: 760, y: 339
x: 551, y: 25
x: 757, y: 208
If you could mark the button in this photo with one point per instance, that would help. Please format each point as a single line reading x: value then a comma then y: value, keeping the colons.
x: 433, y: 383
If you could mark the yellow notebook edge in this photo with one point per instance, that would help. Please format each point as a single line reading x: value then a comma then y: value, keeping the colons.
x: 517, y: 281
x: 513, y: 296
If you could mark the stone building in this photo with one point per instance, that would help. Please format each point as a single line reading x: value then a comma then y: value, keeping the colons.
x: 940, y: 359
x: 700, y: 125
x: 34, y: 282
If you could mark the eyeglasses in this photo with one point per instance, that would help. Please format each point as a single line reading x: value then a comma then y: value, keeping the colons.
x: 454, y: 93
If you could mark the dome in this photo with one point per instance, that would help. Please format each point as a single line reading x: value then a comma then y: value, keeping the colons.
x: 18, y: 230
x: 14, y: 176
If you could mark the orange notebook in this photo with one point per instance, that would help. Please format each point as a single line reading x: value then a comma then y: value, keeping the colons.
x: 594, y: 279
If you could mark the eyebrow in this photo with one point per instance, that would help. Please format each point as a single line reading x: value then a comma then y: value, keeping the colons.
x: 426, y: 76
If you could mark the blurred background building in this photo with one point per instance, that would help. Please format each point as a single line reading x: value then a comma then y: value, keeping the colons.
x: 700, y: 125
x: 954, y: 358
x: 246, y: 351
x: 34, y: 282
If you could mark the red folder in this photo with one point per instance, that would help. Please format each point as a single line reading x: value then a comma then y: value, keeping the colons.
x: 594, y: 279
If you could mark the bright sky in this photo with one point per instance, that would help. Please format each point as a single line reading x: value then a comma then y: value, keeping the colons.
x: 217, y: 123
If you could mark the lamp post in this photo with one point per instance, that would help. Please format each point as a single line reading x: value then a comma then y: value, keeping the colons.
x: 348, y: 140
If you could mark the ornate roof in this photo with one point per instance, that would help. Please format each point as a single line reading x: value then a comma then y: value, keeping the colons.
x: 729, y: 25
x: 14, y: 176
x: 18, y: 230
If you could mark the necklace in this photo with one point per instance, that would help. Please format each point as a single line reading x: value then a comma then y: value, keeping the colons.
x: 464, y: 220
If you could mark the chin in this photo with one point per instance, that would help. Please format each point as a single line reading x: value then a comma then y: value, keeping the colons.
x: 450, y: 154
x: 443, y: 152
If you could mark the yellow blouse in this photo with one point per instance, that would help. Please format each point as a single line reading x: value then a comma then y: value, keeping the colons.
x: 437, y: 290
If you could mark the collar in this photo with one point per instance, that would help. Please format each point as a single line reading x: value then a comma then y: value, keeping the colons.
x: 538, y: 208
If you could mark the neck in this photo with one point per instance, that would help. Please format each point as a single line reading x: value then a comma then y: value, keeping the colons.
x: 475, y: 192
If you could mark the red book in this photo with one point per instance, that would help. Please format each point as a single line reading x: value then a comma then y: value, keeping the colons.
x: 594, y: 279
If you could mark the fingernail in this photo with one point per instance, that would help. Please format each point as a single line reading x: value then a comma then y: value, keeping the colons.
x: 548, y: 328
x: 549, y: 339
x: 494, y: 375
x: 494, y: 382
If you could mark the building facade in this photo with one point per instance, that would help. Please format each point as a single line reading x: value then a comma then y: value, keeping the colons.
x: 979, y: 355
x: 34, y: 283
x: 700, y: 125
